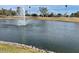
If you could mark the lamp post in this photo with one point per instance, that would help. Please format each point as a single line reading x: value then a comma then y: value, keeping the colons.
x: 29, y: 10
x: 65, y: 10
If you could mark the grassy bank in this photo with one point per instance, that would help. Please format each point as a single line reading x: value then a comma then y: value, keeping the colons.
x: 9, y: 47
x: 11, y: 17
x: 64, y: 19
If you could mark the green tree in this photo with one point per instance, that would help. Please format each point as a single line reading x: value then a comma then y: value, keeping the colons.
x: 10, y: 12
x: 26, y: 13
x: 13, y: 13
x: 76, y: 14
x: 3, y: 11
x: 0, y: 12
x: 18, y: 10
x: 43, y: 11
x: 59, y: 15
x: 51, y: 15
x: 72, y: 15
x: 6, y: 12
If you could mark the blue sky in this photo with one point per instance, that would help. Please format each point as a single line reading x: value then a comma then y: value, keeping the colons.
x: 10, y: 6
x: 55, y: 8
x: 51, y: 8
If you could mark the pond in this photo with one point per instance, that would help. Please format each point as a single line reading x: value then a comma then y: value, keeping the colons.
x: 49, y: 35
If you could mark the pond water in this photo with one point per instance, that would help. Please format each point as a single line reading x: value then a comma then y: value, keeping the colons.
x: 49, y: 35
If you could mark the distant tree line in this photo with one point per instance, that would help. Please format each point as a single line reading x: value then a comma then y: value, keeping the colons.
x: 44, y: 13
x: 76, y: 14
x: 6, y: 12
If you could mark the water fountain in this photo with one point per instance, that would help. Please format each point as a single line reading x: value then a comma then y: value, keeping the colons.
x: 20, y: 19
x: 21, y: 13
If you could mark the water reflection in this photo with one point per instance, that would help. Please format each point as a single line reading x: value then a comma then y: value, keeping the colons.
x: 51, y: 35
x: 14, y: 22
x: 22, y: 35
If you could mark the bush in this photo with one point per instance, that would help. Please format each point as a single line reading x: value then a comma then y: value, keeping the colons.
x: 34, y: 15
x: 59, y: 15
x: 27, y: 15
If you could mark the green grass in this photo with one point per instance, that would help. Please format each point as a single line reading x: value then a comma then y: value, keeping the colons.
x: 5, y: 48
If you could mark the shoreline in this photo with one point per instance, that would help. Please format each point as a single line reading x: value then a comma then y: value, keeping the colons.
x: 61, y: 19
x: 24, y: 46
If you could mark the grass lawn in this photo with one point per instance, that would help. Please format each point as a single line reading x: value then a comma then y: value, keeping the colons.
x: 5, y: 48
x: 64, y: 19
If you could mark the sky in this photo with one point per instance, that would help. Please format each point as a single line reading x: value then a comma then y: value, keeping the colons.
x: 51, y: 8
x: 10, y: 6
x: 55, y: 8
